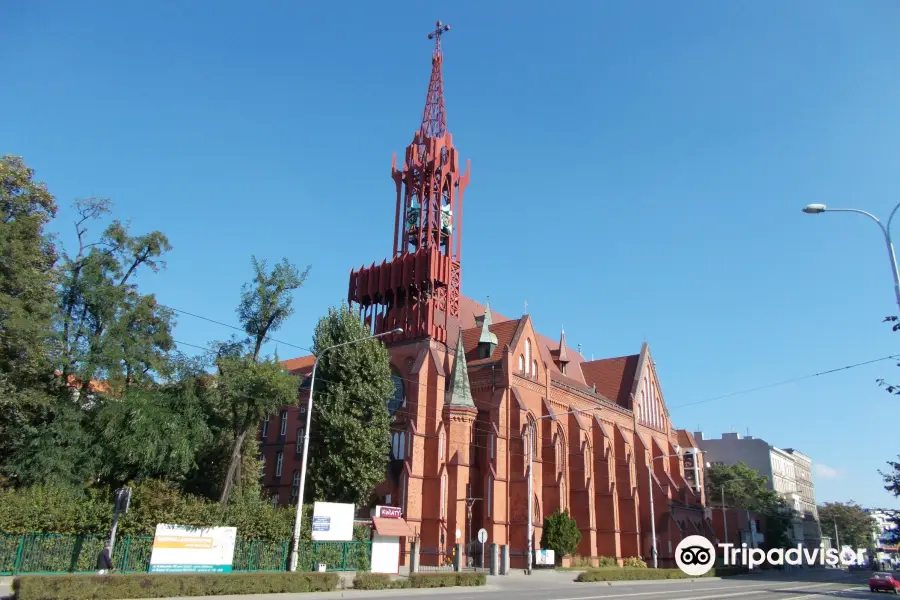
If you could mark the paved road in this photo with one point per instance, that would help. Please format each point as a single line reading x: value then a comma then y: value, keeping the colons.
x: 560, y: 586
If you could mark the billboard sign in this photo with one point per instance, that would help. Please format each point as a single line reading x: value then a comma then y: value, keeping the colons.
x: 388, y: 512
x: 186, y: 549
x: 332, y: 522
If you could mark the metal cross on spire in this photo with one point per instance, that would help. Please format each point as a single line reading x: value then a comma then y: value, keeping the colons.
x: 434, y: 119
x: 435, y: 35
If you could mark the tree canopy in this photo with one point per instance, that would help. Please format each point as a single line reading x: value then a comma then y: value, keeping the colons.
x: 350, y: 416
x: 855, y: 527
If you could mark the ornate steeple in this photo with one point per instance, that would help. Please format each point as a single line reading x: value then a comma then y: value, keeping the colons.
x: 487, y: 341
x: 563, y: 355
x: 460, y: 392
x: 418, y: 287
x: 434, y: 119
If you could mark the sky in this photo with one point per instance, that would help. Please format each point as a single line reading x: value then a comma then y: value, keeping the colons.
x: 638, y: 173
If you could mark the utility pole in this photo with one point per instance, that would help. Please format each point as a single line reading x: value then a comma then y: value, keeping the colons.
x: 837, y: 538
x: 121, y: 502
x: 530, y: 451
x: 724, y: 515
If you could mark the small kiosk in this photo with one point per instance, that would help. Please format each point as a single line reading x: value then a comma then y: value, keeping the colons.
x: 389, y: 527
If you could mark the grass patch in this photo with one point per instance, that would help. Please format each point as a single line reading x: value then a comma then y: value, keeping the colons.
x: 383, y: 581
x: 120, y: 587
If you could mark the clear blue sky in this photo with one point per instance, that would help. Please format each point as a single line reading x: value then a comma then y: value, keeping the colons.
x: 638, y: 170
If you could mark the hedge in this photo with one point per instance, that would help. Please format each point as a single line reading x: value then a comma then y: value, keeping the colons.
x: 120, y: 587
x: 637, y: 574
x: 382, y: 581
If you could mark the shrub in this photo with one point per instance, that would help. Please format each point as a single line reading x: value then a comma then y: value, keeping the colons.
x: 434, y: 580
x: 608, y: 561
x: 582, y: 562
x: 633, y: 562
x: 561, y: 534
x: 635, y: 574
x: 378, y: 581
x: 116, y: 587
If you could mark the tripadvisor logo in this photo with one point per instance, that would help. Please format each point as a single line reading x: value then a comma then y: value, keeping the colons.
x: 695, y: 556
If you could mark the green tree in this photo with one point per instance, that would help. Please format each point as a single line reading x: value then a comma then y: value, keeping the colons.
x: 27, y: 292
x: 249, y: 387
x: 745, y: 488
x: 560, y: 534
x: 855, y: 526
x: 109, y: 330
x: 350, y: 418
x: 27, y: 305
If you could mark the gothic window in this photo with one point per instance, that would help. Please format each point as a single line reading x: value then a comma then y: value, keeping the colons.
x: 528, y: 352
x: 398, y: 445
x: 279, y: 463
x: 534, y: 369
x: 489, y: 493
x: 300, y: 432
x: 403, y: 483
x: 444, y: 495
x: 441, y: 443
x: 283, y: 422
x: 532, y: 434
x: 564, y: 496
x: 521, y: 363
x: 398, y: 400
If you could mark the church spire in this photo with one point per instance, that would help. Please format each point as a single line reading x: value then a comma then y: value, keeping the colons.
x: 563, y: 355
x: 460, y: 392
x: 487, y: 341
x: 434, y: 119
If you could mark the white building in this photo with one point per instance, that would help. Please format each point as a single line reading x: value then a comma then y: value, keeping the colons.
x: 787, y: 471
x: 885, y: 519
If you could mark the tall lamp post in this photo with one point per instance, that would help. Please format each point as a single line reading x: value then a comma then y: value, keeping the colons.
x: 652, y: 513
x: 309, y: 405
x: 814, y: 209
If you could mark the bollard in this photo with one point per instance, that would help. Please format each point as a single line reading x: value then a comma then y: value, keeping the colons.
x: 414, y: 557
x: 504, y: 559
x: 495, y: 559
x: 457, y: 559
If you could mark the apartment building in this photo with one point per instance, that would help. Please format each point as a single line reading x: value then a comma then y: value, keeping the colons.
x: 788, y: 472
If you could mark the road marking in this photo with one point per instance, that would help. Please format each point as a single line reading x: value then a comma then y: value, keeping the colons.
x: 669, y: 593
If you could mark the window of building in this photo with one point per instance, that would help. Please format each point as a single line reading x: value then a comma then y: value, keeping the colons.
x: 532, y: 434
x: 398, y: 400
x: 275, y: 501
x: 300, y: 434
x: 489, y: 494
x: 398, y: 445
x: 279, y: 463
x: 284, y: 422
x: 444, y: 495
x: 441, y: 442
x: 534, y: 369
x: 521, y: 363
x: 295, y: 484
x: 262, y: 463
x: 528, y: 352
x: 265, y: 431
x: 404, y: 481
x: 492, y: 441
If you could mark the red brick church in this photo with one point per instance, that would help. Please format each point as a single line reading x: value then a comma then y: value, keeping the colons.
x: 470, y: 382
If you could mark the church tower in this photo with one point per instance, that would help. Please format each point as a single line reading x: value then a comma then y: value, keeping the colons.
x: 418, y: 290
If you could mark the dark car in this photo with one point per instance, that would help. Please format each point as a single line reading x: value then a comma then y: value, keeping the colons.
x: 883, y: 582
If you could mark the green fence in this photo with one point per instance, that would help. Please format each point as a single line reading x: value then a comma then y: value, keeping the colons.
x: 63, y: 553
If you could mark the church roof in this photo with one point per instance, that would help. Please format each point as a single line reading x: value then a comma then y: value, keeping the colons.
x: 614, y: 377
x: 460, y: 392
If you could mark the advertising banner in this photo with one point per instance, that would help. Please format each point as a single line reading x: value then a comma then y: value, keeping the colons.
x: 186, y: 549
x: 332, y: 522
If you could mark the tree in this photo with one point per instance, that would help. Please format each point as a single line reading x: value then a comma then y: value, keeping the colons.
x: 27, y: 305
x: 252, y: 388
x: 27, y: 292
x: 561, y: 534
x: 745, y: 488
x: 350, y: 418
x: 108, y: 330
x: 855, y: 526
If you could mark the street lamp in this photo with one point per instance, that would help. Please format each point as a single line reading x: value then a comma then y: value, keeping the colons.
x: 309, y: 405
x: 652, y: 513
x: 814, y: 209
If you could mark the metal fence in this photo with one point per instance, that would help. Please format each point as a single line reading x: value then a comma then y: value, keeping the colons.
x: 435, y: 560
x: 48, y: 553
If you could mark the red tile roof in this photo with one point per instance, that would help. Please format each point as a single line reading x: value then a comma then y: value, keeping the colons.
x: 614, y: 377
x: 686, y: 439
x: 300, y: 365
x: 504, y: 332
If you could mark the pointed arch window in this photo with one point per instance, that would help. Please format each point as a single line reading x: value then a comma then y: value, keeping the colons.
x: 441, y: 443
x: 528, y: 353
x: 521, y: 363
x: 444, y: 495
x: 534, y: 367
x: 398, y: 445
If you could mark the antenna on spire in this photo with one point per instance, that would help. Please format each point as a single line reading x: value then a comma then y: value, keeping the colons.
x: 434, y: 119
